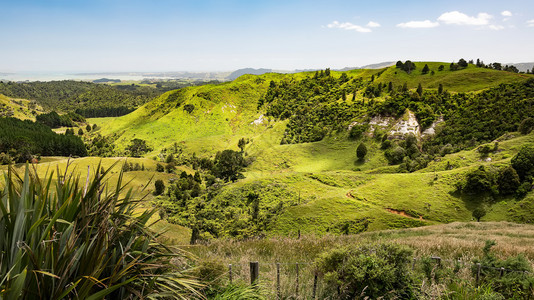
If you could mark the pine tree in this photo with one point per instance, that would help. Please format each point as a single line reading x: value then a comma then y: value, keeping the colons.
x: 420, y: 89
x: 425, y: 70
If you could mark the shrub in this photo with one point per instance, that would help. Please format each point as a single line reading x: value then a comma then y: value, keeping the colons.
x: 361, y: 151
x: 395, y: 155
x: 357, y: 131
x: 523, y: 162
x: 159, y: 187
x: 508, y: 181
x: 64, y: 241
x: 512, y: 285
x: 478, y: 181
x: 160, y: 168
x: 371, y: 270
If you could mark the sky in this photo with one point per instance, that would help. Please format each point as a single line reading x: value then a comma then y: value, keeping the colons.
x: 202, y: 35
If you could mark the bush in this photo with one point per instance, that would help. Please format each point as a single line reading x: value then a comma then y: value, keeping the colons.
x: 372, y: 270
x: 523, y: 162
x: 395, y: 155
x: 357, y: 131
x: 478, y: 181
x: 160, y: 168
x: 508, y: 181
x: 361, y: 151
x: 512, y: 285
x: 159, y: 187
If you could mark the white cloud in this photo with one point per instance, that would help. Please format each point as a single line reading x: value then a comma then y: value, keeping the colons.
x: 506, y: 13
x: 496, y: 27
x: 458, y: 18
x: 530, y: 23
x: 348, y: 26
x: 372, y: 24
x: 418, y: 24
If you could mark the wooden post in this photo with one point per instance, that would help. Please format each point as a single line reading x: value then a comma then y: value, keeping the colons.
x: 299, y: 234
x: 314, y: 285
x: 297, y: 287
x: 437, y: 259
x: 254, y: 272
x: 413, y: 263
x: 501, y: 272
x: 230, y: 273
x: 278, y: 294
x: 479, y: 266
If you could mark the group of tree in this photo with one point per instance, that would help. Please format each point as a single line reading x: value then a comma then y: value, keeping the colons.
x: 54, y: 120
x: 85, y: 98
x: 408, y: 66
x: 22, y: 140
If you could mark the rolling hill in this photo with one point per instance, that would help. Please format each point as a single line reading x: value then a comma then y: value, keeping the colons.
x: 320, y: 186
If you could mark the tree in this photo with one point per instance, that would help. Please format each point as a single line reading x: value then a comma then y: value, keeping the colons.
x: 169, y: 158
x: 508, y: 181
x: 441, y: 67
x: 478, y: 181
x: 425, y: 70
x: 440, y: 89
x: 361, y: 151
x: 170, y: 167
x: 94, y: 126
x: 138, y: 147
x: 80, y: 131
x: 523, y: 162
x: 228, y: 165
x: 399, y: 65
x: 88, y: 128
x: 420, y: 89
x: 160, y: 167
x: 479, y: 212
x: 159, y: 187
x: 241, y: 144
x: 462, y: 63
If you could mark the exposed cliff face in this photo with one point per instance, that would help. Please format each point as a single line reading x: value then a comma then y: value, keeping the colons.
x: 399, y: 128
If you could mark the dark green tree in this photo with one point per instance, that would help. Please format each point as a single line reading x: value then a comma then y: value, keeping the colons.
x: 80, y: 131
x: 523, y: 162
x: 138, y: 147
x: 425, y: 70
x: 441, y: 67
x: 241, y: 144
x: 159, y: 187
x: 508, y: 181
x: 479, y: 212
x: 228, y: 165
x: 420, y: 89
x: 361, y: 151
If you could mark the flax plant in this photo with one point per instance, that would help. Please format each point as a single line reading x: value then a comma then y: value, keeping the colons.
x: 63, y: 239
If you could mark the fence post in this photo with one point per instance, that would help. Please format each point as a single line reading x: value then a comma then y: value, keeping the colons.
x: 478, y: 273
x: 314, y: 285
x: 297, y: 287
x: 230, y: 272
x: 278, y: 294
x: 501, y: 272
x: 437, y: 259
x: 413, y: 263
x: 254, y: 272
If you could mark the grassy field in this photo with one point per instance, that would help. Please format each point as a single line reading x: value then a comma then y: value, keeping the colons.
x: 20, y: 108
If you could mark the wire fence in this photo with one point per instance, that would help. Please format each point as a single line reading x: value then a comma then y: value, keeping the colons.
x: 301, y: 280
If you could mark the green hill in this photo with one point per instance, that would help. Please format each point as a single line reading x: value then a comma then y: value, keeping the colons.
x: 301, y: 157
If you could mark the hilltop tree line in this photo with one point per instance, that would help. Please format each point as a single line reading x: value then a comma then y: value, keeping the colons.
x: 21, y: 141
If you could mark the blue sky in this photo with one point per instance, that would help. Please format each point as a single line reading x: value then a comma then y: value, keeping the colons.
x: 117, y: 35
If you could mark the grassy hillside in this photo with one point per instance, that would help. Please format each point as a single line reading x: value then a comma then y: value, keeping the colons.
x: 18, y: 108
x: 320, y: 187
x: 461, y: 81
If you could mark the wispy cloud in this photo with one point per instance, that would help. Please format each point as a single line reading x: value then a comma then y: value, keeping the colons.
x: 530, y: 23
x: 372, y: 24
x: 418, y: 24
x: 348, y: 26
x: 496, y: 27
x: 458, y: 18
x: 506, y: 13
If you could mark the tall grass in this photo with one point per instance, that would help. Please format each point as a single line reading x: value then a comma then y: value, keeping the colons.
x: 63, y: 239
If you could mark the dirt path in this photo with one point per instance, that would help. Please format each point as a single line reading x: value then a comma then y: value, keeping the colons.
x: 403, y: 213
